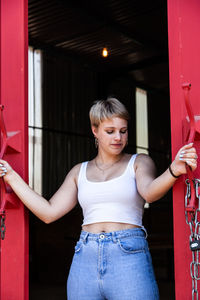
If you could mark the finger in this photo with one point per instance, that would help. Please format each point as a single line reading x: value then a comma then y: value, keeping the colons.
x: 191, y: 151
x: 183, y: 149
x: 2, y: 174
x: 2, y: 167
x: 191, y: 164
x: 188, y: 159
x: 3, y: 170
x: 3, y: 161
x: 188, y: 155
x: 187, y: 146
x: 4, y: 164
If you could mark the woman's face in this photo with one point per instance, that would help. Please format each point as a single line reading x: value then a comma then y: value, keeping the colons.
x: 112, y: 135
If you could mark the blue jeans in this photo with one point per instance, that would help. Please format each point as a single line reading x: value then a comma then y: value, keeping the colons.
x: 112, y: 266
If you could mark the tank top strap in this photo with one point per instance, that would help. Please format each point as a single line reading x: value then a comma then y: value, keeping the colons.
x: 82, y: 172
x: 131, y: 164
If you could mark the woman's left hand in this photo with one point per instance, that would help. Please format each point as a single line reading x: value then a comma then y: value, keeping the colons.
x: 186, y: 155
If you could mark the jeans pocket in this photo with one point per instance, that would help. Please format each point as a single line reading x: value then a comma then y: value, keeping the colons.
x: 78, y: 246
x: 132, y: 244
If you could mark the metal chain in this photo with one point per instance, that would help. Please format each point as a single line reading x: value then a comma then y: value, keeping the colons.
x: 193, y: 220
x: 2, y: 225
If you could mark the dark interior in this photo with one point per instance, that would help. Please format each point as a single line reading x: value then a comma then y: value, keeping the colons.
x: 71, y: 35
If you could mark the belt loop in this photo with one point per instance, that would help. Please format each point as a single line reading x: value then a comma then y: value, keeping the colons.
x: 144, y: 229
x: 114, y: 237
x: 85, y: 238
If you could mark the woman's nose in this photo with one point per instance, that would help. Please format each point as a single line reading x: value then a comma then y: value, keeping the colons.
x: 118, y: 136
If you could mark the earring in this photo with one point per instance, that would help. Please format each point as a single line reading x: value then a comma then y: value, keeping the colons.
x: 96, y: 142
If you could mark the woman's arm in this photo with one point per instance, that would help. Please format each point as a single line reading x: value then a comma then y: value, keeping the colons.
x: 48, y: 211
x: 152, y: 188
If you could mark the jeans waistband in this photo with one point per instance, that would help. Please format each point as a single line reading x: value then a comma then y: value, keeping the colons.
x: 114, y: 235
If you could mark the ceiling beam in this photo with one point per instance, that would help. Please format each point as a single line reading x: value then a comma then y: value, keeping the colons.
x: 66, y: 54
x: 146, y: 63
x: 149, y: 62
x: 107, y: 22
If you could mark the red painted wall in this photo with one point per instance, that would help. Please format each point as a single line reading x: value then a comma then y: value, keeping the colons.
x: 14, y: 76
x: 184, y: 66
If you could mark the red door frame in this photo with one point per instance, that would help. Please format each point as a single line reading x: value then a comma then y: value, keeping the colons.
x: 184, y: 66
x: 14, y: 97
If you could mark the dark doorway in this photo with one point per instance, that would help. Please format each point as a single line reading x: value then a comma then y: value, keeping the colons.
x: 71, y: 36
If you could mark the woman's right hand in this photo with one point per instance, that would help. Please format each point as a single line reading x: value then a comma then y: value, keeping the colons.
x: 5, y: 170
x: 186, y: 155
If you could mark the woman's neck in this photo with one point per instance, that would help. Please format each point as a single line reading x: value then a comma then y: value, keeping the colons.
x: 106, y: 159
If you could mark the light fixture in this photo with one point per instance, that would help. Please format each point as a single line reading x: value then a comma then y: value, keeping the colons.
x: 105, y: 52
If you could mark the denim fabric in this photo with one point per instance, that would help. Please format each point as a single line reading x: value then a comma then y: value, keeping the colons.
x: 112, y: 266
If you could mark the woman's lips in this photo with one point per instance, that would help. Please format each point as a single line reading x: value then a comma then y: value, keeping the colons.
x: 116, y: 145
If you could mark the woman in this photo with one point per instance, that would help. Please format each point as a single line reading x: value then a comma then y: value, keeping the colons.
x: 112, y: 259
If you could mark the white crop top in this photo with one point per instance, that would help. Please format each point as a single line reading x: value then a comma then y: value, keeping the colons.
x: 114, y: 200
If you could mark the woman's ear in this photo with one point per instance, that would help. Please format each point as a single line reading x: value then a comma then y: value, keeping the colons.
x: 94, y: 130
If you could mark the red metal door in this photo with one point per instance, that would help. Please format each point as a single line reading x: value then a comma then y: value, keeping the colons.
x: 13, y: 95
x: 184, y: 66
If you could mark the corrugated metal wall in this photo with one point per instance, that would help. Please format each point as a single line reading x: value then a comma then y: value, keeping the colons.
x: 68, y: 92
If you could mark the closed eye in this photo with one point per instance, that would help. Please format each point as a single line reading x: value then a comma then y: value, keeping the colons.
x: 123, y: 131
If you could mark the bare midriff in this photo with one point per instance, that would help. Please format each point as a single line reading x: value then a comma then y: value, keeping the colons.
x: 107, y: 227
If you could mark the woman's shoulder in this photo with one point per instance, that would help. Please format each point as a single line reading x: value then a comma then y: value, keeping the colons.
x: 143, y: 159
x: 76, y: 169
x: 142, y: 156
x: 74, y: 172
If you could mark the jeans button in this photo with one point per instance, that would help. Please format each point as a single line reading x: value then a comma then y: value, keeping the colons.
x: 102, y: 236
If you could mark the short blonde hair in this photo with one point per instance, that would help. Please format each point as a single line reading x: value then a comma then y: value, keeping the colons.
x: 107, y: 109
